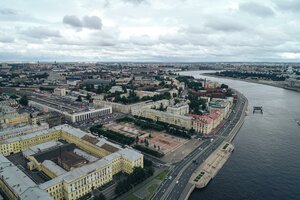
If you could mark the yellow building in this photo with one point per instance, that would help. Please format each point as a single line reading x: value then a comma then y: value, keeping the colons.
x: 175, y: 119
x: 15, y: 118
x: 77, y: 182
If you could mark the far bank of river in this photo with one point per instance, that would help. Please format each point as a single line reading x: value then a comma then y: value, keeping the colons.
x: 270, y: 83
x: 265, y: 163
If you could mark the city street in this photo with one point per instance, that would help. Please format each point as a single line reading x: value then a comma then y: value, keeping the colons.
x: 178, y: 177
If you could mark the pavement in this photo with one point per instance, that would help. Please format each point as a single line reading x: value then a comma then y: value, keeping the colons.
x: 180, y: 173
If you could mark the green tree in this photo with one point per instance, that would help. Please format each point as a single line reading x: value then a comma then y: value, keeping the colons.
x: 13, y: 96
x: 79, y: 99
x: 224, y: 86
x: 88, y: 97
x: 24, y: 101
x: 100, y: 197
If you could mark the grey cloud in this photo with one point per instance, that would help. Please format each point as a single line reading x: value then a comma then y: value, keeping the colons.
x: 7, y: 39
x: 7, y: 11
x: 256, y: 9
x: 134, y: 1
x: 90, y: 22
x: 72, y: 20
x: 226, y: 25
x: 41, y: 33
x: 288, y: 5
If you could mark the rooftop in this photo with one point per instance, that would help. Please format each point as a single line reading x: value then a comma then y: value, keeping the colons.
x: 19, y: 182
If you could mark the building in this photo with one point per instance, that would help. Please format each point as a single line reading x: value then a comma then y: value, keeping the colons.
x: 179, y: 109
x: 115, y: 89
x: 72, y: 116
x: 175, y: 119
x: 60, y: 91
x: 223, y: 105
x: 211, y: 84
x: 205, y: 124
x: 17, y: 185
x: 10, y: 117
x: 102, y: 159
x: 22, y: 130
x: 131, y: 108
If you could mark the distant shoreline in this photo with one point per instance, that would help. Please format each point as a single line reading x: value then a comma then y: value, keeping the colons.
x: 253, y: 81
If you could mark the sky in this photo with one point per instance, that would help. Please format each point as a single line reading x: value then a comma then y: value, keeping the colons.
x: 150, y: 30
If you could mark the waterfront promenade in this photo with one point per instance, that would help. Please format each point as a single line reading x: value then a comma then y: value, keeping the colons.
x: 179, y: 175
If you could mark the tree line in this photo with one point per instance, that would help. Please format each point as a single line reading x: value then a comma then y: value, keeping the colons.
x: 244, y: 75
x: 123, y: 139
x: 137, y: 176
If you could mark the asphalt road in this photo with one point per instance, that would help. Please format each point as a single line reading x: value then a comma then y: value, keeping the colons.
x: 179, y: 175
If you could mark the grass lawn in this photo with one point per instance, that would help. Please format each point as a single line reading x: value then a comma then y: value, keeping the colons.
x: 131, y: 196
x: 162, y: 175
x: 151, y: 191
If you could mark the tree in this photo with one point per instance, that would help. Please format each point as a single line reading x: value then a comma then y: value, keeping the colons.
x: 100, y: 197
x: 88, y: 97
x: 24, y: 101
x: 224, y: 86
x: 161, y: 107
x: 13, y: 96
x: 79, y: 99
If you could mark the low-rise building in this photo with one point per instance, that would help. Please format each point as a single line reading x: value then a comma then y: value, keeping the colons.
x: 73, y: 116
x: 22, y: 130
x: 60, y: 91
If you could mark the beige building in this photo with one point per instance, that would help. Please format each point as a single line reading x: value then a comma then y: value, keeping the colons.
x: 175, y: 119
x: 105, y: 160
x: 179, y: 109
x: 60, y: 91
x: 9, y: 116
x: 22, y: 130
x: 131, y: 108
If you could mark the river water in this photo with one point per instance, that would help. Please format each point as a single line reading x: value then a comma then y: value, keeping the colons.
x: 266, y: 162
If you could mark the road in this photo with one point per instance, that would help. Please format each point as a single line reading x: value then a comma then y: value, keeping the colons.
x: 179, y: 175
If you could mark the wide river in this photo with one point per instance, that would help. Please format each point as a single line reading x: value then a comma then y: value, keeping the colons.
x: 266, y: 162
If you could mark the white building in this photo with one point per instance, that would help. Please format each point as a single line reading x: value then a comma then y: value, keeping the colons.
x: 76, y: 116
x: 60, y: 91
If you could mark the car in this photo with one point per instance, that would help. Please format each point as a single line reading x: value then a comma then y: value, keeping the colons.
x: 177, y: 182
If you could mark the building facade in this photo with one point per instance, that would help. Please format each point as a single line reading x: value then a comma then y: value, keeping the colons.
x: 77, y: 182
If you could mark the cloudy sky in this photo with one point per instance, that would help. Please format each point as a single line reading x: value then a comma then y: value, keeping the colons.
x: 150, y: 30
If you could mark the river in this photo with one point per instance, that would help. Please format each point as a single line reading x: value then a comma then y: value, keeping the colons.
x: 266, y: 162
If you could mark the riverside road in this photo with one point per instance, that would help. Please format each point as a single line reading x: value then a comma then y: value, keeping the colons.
x: 173, y: 186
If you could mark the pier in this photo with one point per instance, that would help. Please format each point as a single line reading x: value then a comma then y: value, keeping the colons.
x: 258, y: 108
x: 210, y: 167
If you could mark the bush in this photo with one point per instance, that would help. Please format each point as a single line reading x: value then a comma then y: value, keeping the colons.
x: 118, y: 137
x: 149, y: 151
x: 137, y: 176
